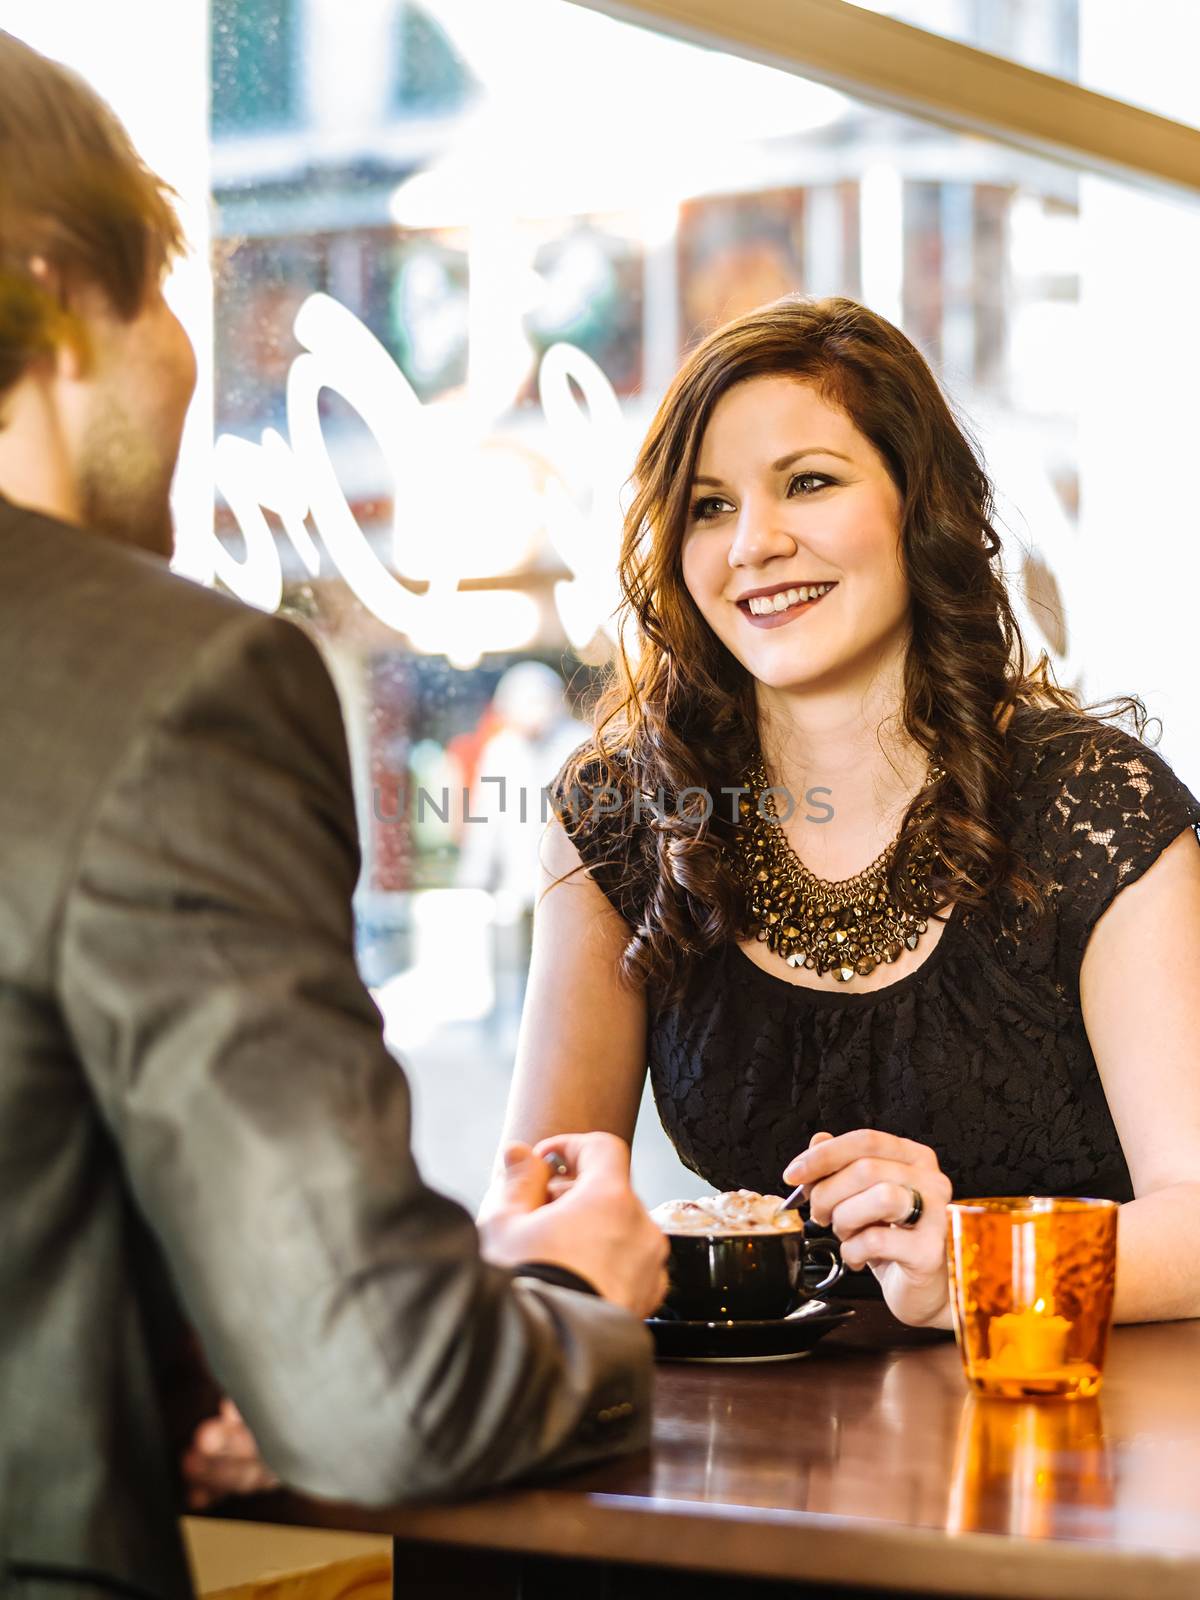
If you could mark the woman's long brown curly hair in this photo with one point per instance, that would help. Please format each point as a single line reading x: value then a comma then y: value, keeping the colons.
x: 683, y: 716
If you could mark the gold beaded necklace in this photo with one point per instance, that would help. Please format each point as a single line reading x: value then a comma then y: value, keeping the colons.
x: 845, y: 927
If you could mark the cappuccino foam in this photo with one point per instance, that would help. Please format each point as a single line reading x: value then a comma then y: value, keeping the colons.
x: 734, y: 1211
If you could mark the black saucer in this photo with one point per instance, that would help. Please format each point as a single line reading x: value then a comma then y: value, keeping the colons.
x: 780, y: 1339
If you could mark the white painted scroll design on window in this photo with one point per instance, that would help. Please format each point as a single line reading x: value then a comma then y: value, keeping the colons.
x: 578, y: 503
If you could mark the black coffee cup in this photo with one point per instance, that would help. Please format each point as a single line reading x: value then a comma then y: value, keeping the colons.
x: 743, y: 1277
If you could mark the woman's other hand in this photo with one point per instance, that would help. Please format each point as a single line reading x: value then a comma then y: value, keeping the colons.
x: 862, y: 1185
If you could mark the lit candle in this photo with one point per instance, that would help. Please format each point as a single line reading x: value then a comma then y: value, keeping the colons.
x: 1030, y: 1341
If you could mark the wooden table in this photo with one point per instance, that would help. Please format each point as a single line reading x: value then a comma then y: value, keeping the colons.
x: 866, y: 1464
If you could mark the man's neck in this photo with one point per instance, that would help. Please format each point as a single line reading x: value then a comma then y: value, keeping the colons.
x: 35, y: 465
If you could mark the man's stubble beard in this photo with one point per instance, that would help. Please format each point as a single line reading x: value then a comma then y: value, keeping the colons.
x: 124, y: 484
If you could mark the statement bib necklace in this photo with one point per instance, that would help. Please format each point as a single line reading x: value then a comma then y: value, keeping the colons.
x: 845, y: 927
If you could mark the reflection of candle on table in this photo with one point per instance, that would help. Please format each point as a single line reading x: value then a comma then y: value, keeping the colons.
x: 1029, y: 1341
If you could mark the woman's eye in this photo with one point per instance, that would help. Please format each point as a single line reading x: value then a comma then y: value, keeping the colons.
x: 713, y: 505
x: 704, y: 510
x: 818, y: 480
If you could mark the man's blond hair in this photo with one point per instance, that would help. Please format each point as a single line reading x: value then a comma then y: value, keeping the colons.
x: 75, y: 195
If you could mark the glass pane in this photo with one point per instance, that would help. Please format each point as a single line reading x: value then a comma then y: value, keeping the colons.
x: 430, y: 73
x: 454, y: 328
x: 253, y: 63
x: 1147, y: 56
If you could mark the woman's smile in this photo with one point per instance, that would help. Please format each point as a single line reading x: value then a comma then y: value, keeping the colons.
x: 780, y: 604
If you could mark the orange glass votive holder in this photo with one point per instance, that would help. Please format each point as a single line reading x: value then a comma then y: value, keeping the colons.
x: 1031, y: 1292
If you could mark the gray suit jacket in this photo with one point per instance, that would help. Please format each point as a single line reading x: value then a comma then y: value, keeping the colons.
x: 197, y: 1109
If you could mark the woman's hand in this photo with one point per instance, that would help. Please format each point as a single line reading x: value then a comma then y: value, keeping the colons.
x: 223, y: 1459
x: 862, y: 1185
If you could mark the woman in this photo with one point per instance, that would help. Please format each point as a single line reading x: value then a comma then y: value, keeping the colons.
x: 966, y: 957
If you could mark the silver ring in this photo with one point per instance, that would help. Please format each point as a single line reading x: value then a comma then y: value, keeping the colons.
x: 918, y: 1207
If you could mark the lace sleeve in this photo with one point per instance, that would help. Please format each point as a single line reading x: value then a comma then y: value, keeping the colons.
x: 1115, y: 806
x: 593, y: 809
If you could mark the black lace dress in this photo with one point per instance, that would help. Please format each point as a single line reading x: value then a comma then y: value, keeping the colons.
x: 980, y: 1052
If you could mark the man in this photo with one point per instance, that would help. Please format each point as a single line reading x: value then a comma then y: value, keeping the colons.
x: 197, y: 1112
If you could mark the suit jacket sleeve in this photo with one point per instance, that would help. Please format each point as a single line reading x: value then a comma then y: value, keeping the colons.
x: 207, y: 973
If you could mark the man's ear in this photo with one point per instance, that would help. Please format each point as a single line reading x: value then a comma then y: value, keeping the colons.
x: 67, y: 322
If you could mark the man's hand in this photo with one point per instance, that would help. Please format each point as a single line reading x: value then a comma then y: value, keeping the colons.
x: 863, y: 1185
x: 589, y: 1221
x: 223, y: 1459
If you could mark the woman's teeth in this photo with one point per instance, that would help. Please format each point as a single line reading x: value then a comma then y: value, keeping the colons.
x: 763, y: 605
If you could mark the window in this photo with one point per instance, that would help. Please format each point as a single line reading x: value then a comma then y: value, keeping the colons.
x: 430, y: 74
x: 254, y: 49
x: 473, y: 265
x: 1147, y: 58
x: 484, y: 297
